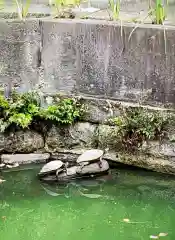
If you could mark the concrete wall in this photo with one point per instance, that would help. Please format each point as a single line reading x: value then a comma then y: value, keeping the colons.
x: 19, y: 52
x: 90, y: 58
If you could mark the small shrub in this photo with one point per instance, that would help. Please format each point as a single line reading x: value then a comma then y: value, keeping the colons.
x: 25, y: 110
x: 138, y: 125
x: 66, y: 111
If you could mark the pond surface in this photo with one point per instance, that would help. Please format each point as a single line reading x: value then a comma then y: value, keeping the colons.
x: 88, y: 210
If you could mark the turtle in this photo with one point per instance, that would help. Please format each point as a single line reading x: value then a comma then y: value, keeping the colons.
x: 90, y: 156
x: 65, y: 167
x: 51, y: 167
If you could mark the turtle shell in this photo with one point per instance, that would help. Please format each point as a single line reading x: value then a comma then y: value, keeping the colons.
x: 50, y: 167
x: 90, y: 155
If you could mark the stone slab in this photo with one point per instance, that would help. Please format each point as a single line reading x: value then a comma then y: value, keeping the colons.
x: 24, y: 158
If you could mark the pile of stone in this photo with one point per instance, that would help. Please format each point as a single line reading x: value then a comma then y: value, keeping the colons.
x: 90, y: 163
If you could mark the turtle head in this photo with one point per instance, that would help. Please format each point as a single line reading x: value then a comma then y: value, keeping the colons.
x: 66, y: 165
x: 106, y: 150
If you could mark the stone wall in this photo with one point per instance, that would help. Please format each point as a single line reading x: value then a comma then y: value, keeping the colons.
x: 67, y: 143
x: 104, y: 64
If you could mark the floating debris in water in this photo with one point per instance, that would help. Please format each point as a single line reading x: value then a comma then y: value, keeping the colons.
x: 88, y: 195
x: 154, y: 237
x: 2, y: 180
x: 159, y: 235
x: 126, y: 220
x: 163, y: 234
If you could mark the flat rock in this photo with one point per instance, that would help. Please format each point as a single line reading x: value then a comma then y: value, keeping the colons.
x: 50, y: 167
x: 24, y: 158
x: 72, y: 171
x: 49, y: 178
x: 93, y: 168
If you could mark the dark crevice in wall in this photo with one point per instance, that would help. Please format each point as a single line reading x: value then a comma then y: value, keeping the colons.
x: 39, y: 54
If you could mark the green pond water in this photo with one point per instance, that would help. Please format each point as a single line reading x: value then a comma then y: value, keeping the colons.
x: 88, y: 210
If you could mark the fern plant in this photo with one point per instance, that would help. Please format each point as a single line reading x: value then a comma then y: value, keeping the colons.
x: 24, y: 110
x: 66, y: 111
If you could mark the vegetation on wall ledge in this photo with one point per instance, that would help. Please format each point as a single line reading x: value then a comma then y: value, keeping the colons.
x: 20, y: 111
x: 137, y: 125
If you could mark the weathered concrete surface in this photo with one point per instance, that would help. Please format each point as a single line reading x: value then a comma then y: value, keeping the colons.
x: 80, y: 135
x: 90, y: 58
x: 93, y: 58
x: 24, y: 158
x: 21, y: 142
x: 19, y: 52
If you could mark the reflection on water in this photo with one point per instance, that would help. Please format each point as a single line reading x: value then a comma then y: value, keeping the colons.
x: 128, y: 204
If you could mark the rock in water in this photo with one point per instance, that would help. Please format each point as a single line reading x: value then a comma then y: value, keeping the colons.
x: 93, y: 168
x: 70, y: 172
x: 49, y: 178
x: 90, y: 156
x: 50, y: 167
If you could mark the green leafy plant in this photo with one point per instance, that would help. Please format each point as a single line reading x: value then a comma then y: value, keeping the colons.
x: 25, y: 110
x: 66, y: 111
x: 138, y: 125
x: 18, y: 110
